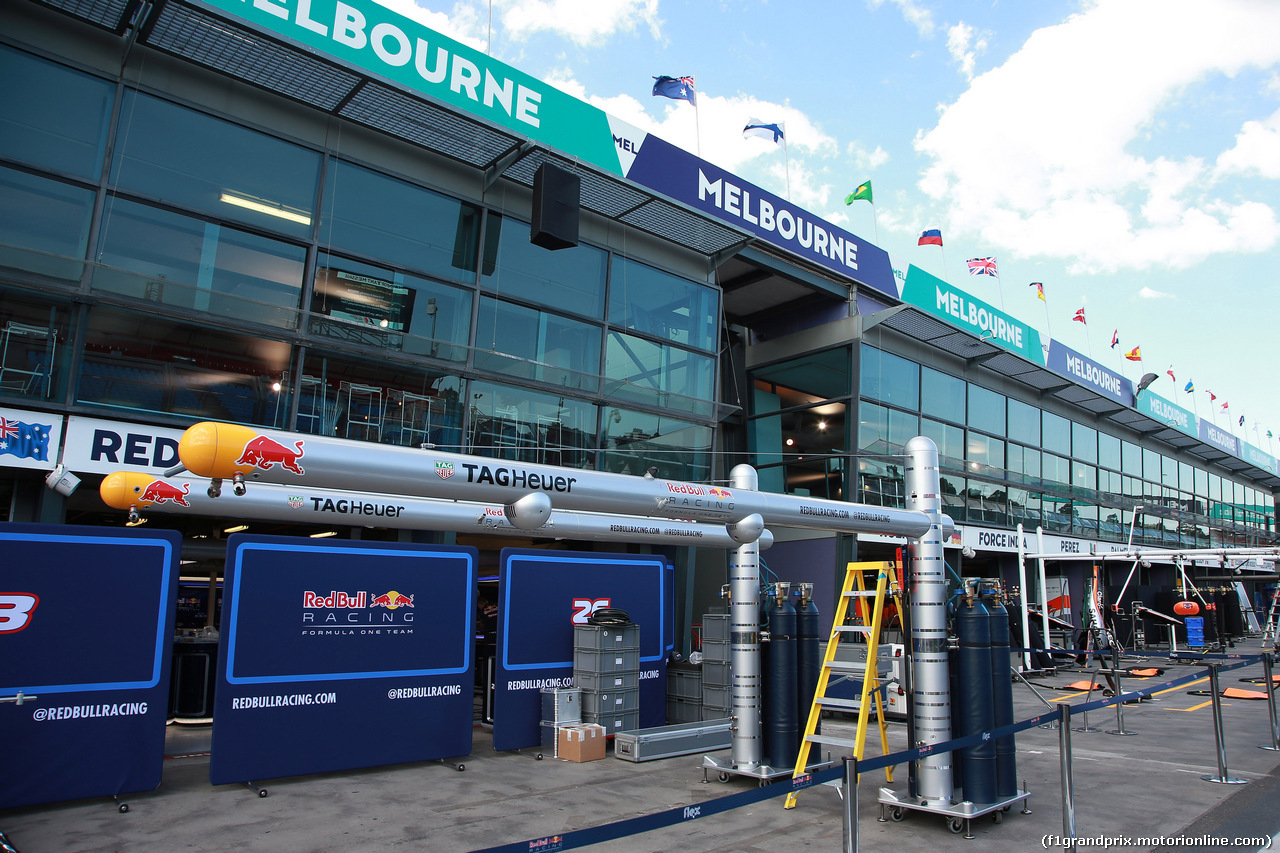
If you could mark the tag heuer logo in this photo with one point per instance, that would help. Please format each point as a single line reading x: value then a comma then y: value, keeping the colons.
x: 444, y: 469
x: 295, y: 501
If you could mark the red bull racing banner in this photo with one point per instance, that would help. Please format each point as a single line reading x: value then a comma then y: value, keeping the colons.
x: 86, y: 627
x: 543, y: 595
x: 322, y: 639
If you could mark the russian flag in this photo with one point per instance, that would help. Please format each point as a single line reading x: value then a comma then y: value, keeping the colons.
x: 931, y: 237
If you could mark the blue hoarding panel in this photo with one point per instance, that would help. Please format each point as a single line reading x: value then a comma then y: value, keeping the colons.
x: 544, y: 594
x: 322, y: 641
x: 86, y: 621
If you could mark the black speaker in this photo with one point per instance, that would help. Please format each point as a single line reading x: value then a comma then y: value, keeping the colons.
x: 556, y: 202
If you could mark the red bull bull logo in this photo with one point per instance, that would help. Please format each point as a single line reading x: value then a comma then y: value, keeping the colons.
x: 158, y: 491
x: 391, y: 600
x: 554, y: 842
x: 262, y: 452
x: 719, y: 493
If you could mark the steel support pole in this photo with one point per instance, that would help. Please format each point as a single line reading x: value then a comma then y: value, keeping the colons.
x: 1115, y: 673
x: 932, y: 706
x: 1068, y: 840
x: 1271, y: 702
x: 744, y: 639
x: 1223, y: 776
x: 849, y: 791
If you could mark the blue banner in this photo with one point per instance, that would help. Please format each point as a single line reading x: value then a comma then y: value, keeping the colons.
x: 86, y: 626
x: 323, y: 640
x: 1065, y: 361
x: 543, y: 595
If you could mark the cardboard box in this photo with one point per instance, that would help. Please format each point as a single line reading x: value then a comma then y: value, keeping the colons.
x: 581, y: 743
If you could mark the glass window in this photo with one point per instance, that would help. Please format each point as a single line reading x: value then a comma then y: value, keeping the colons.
x: 941, y: 395
x: 530, y: 426
x: 143, y: 362
x: 1169, y: 472
x: 33, y: 355
x: 657, y: 303
x: 163, y: 257
x: 1150, y: 465
x: 1056, y: 432
x: 986, y: 410
x: 43, y: 224
x: 1024, y: 464
x: 660, y: 375
x: 1054, y: 469
x: 226, y: 171
x: 881, y: 483
x: 1084, y: 443
x: 53, y: 117
x: 1024, y: 423
x: 380, y: 307
x: 1131, y: 459
x: 890, y: 379
x: 1084, y: 476
x: 983, y: 450
x: 636, y: 441
x: 397, y: 222
x: 873, y: 429
x: 949, y: 439
x: 902, y: 428
x: 531, y: 344
x: 1109, y: 451
x: 810, y: 378
x: 952, y: 496
x: 569, y: 280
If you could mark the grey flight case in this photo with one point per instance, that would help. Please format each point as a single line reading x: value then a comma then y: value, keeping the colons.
x: 668, y: 741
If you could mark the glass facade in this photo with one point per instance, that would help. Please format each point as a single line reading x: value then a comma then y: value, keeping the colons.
x: 177, y: 265
x: 1004, y: 461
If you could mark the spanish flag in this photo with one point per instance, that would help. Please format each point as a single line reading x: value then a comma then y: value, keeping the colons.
x: 1134, y: 354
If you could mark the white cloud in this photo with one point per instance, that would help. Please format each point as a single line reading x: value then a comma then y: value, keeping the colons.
x: 960, y: 38
x: 1149, y: 293
x: 913, y: 13
x: 1257, y: 149
x: 585, y: 22
x: 1039, y: 154
x: 463, y: 24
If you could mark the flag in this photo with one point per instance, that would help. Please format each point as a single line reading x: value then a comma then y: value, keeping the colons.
x: 1172, y: 378
x: 1212, y: 396
x: 755, y: 127
x: 1191, y: 386
x: 1134, y: 354
x: 1079, y: 318
x: 1225, y: 406
x: 863, y: 192
x: 1115, y: 338
x: 983, y: 266
x: 1039, y: 290
x: 676, y: 88
x: 930, y: 237
x: 1242, y: 420
x: 1269, y: 434
x: 24, y: 440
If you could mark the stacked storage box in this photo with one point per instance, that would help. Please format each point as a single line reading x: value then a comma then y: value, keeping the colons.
x: 561, y: 707
x: 717, y: 690
x: 606, y: 668
x: 684, y: 693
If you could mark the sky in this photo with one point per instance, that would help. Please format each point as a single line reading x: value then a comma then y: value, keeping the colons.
x: 1123, y: 153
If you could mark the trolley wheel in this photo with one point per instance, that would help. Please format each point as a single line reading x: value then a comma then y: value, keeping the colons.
x: 722, y: 776
x: 461, y: 767
x: 956, y: 825
x: 262, y: 793
x: 124, y: 807
x: 897, y: 813
x: 538, y: 757
x: 997, y: 817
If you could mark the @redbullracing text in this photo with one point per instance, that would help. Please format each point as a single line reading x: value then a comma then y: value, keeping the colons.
x: 1105, y: 842
x: 287, y: 701
x: 86, y: 712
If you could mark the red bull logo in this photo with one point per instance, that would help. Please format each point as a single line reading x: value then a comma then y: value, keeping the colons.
x: 262, y: 452
x: 158, y: 491
x: 719, y: 493
x: 391, y: 600
x: 553, y: 842
x: 335, y: 600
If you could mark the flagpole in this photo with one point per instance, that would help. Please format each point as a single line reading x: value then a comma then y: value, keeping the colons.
x: 1195, y: 408
x: 875, y: 225
x: 697, y: 121
x: 1088, y: 344
x: 946, y: 276
x: 1213, y: 412
x: 786, y: 160
x: 1048, y: 325
x: 999, y: 283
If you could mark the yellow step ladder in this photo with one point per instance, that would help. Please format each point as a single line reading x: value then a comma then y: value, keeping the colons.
x: 868, y: 624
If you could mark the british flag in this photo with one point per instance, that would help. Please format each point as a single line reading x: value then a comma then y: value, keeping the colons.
x: 983, y: 266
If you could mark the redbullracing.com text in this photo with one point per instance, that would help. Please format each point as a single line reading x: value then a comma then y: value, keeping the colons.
x: 1106, y: 842
x: 289, y: 701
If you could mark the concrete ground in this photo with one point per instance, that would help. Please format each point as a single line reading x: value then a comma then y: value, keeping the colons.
x: 1126, y: 787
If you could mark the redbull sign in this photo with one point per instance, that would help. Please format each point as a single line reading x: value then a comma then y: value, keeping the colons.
x: 336, y: 600
x: 158, y: 491
x: 262, y: 452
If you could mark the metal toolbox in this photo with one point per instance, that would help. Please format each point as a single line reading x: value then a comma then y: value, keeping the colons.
x: 668, y: 741
x: 561, y: 706
x: 610, y: 701
x: 623, y: 679
x: 606, y: 637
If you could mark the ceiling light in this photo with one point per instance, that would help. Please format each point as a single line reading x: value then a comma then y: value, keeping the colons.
x: 236, y: 529
x: 270, y: 208
x: 323, y: 535
x: 791, y: 442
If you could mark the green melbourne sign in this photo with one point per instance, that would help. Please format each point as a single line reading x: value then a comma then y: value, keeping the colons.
x: 383, y: 43
x: 946, y: 302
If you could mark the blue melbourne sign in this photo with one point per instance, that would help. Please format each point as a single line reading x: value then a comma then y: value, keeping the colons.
x: 86, y: 627
x: 1085, y: 371
x: 324, y: 639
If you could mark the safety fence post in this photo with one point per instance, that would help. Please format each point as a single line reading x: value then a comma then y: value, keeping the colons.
x: 1223, y: 776
x: 1068, y: 785
x: 849, y: 790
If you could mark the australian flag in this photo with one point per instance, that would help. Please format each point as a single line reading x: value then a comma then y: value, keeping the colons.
x: 26, y: 441
x: 676, y: 88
